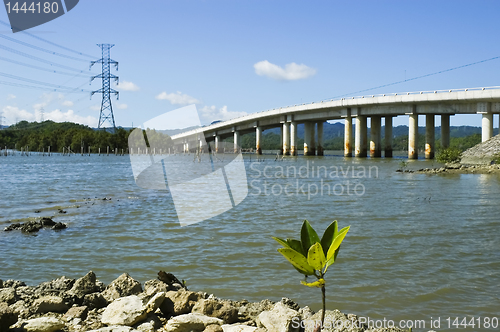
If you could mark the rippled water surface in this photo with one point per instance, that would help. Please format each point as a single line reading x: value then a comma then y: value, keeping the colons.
x: 419, y: 246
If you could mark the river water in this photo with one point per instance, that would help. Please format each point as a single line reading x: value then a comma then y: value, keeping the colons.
x: 420, y: 245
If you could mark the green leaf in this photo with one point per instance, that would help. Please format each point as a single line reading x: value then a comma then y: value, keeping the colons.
x: 336, y: 243
x: 298, y: 260
x: 316, y: 256
x: 295, y: 245
x: 282, y: 242
x: 318, y: 283
x: 308, y: 236
x: 330, y: 233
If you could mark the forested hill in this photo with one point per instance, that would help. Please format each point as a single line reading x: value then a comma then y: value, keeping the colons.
x: 39, y: 136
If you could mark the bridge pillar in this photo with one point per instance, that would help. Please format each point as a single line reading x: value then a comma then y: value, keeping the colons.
x: 312, y: 148
x: 319, y: 149
x: 487, y: 124
x: 217, y: 140
x: 187, y: 147
x: 258, y: 139
x: 360, y: 143
x: 293, y: 138
x: 375, y: 151
x: 445, y: 131
x: 281, y: 141
x: 236, y: 141
x: 429, y: 136
x: 348, y: 136
x: 286, y: 139
x: 308, y: 134
x: 413, y: 136
x: 388, y: 137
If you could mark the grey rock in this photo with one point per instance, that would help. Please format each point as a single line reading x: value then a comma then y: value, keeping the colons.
x: 127, y: 311
x: 124, y: 285
x: 83, y: 286
x: 279, y: 319
x: 155, y: 302
x: 8, y: 317
x: 190, y: 323
x: 95, y: 301
x: 150, y: 324
x: 13, y: 283
x: 76, y: 312
x: 483, y: 153
x: 49, y: 304
x: 238, y: 328
x: 217, y: 308
x: 8, y: 295
x: 115, y: 328
x: 215, y: 328
x: 179, y: 302
x: 335, y: 321
x: 152, y: 287
x: 250, y: 311
x: 55, y: 287
x: 43, y: 324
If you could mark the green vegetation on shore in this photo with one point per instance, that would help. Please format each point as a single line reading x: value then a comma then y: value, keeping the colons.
x: 39, y: 136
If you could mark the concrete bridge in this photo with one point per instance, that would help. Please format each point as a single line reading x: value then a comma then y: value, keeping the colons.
x: 444, y: 103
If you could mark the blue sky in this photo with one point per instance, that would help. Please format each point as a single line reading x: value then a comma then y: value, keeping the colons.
x: 238, y: 57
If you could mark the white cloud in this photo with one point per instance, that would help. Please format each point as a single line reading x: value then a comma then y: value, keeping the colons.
x: 121, y: 106
x: 212, y: 113
x: 11, y: 96
x: 67, y: 103
x: 95, y: 107
x: 291, y: 72
x: 127, y: 86
x: 178, y: 98
x: 70, y: 116
x: 13, y: 114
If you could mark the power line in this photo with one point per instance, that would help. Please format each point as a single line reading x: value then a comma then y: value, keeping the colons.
x: 65, y: 89
x: 415, y: 78
x: 34, y: 81
x: 41, y: 49
x: 49, y: 42
x: 39, y: 59
x: 44, y: 69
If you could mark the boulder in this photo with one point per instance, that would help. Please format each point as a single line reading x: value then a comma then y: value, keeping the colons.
x: 76, y: 312
x: 127, y: 311
x: 238, y: 328
x: 1, y: 283
x: 83, y: 286
x: 115, y: 328
x: 124, y: 285
x: 213, y: 328
x: 250, y: 311
x: 13, y: 283
x: 95, y: 300
x: 279, y: 319
x: 49, y: 304
x: 43, y: 324
x: 31, y: 226
x: 56, y: 287
x: 150, y: 324
x: 155, y: 302
x: 190, y: 323
x: 335, y: 321
x: 8, y: 295
x: 152, y: 287
x: 217, y: 308
x: 8, y: 317
x: 179, y: 302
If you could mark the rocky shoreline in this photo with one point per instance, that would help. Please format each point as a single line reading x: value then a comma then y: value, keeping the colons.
x: 457, y: 169
x: 163, y: 305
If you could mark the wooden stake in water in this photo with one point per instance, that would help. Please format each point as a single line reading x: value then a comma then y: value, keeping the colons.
x: 107, y: 151
x: 49, y: 150
x: 99, y: 151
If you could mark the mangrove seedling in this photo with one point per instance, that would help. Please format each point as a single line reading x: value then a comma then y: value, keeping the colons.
x: 312, y: 256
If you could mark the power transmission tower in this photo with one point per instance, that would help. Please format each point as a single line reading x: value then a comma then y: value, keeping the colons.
x: 106, y: 107
x: 41, y: 114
